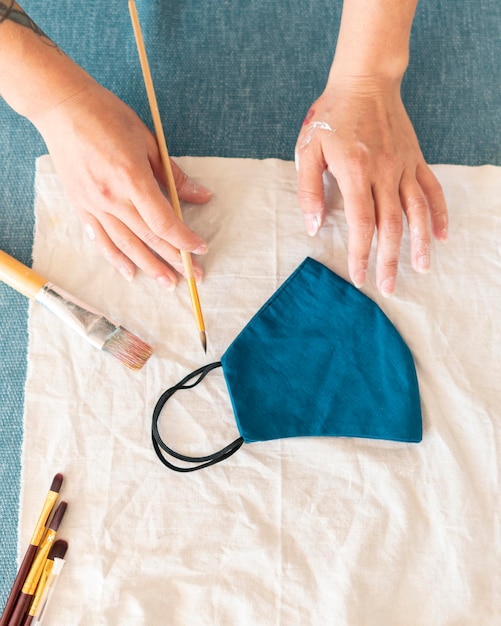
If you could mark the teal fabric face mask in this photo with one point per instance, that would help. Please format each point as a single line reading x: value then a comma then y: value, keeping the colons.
x: 319, y: 359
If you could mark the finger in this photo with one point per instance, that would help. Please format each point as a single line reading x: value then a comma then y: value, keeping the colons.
x: 310, y: 167
x: 111, y: 253
x: 160, y: 217
x: 136, y: 225
x: 355, y: 186
x: 416, y: 209
x: 360, y: 218
x: 389, y: 237
x: 130, y: 245
x: 188, y: 189
x: 436, y: 201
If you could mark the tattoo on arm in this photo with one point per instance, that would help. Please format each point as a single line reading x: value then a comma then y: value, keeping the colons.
x: 13, y: 12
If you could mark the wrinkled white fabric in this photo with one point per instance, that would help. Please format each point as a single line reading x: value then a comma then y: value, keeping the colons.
x: 284, y: 533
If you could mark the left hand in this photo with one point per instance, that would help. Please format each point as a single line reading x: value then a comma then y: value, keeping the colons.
x: 359, y: 130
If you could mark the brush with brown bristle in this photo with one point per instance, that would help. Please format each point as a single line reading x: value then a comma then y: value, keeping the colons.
x: 30, y: 553
x: 36, y: 569
x: 102, y: 333
x: 45, y: 586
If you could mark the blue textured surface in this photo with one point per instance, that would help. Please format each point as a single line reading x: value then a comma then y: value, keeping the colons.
x: 234, y: 78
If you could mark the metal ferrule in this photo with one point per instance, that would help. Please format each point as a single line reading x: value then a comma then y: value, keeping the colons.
x: 85, y: 321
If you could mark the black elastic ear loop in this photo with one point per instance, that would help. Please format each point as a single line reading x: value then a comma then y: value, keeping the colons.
x: 159, y: 445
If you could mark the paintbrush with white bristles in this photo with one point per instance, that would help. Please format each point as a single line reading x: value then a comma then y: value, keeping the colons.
x: 102, y: 333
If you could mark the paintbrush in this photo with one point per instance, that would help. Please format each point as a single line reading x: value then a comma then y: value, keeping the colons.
x: 49, y: 588
x: 102, y: 333
x: 36, y: 569
x: 164, y: 154
x: 51, y: 570
x: 20, y: 579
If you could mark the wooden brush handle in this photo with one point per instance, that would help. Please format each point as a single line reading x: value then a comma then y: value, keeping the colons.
x: 19, y: 276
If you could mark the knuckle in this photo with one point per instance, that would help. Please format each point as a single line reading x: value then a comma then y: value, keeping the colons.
x: 360, y: 259
x: 161, y: 227
x: 309, y: 196
x: 391, y: 227
x: 172, y: 231
x: 416, y: 205
x: 387, y: 162
x: 151, y: 239
x: 390, y: 263
x: 363, y: 226
x: 358, y: 163
x: 125, y: 244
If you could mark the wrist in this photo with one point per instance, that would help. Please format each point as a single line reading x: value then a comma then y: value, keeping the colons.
x: 380, y: 74
x: 373, y: 40
x: 363, y: 84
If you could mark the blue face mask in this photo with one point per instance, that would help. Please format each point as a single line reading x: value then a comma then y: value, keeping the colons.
x: 319, y: 359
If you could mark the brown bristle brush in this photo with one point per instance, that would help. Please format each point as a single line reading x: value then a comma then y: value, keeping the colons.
x: 102, y: 333
x: 51, y: 570
x: 32, y: 579
x: 30, y: 553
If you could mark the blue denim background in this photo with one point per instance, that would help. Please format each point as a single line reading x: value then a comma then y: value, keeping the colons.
x: 233, y: 78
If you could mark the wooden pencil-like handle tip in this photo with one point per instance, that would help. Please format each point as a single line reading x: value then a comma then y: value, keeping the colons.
x: 203, y: 340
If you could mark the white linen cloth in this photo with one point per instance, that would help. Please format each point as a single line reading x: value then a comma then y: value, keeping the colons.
x: 330, y: 531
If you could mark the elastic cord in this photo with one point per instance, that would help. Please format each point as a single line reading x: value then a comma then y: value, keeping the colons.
x: 158, y: 443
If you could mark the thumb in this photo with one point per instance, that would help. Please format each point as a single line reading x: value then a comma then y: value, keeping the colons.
x: 188, y: 189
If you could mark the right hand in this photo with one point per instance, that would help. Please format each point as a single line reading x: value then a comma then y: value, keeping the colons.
x: 110, y: 167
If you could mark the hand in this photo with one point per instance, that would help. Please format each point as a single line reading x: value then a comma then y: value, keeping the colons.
x: 359, y: 130
x: 111, y: 169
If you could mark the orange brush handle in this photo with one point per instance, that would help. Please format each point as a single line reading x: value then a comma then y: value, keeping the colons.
x: 19, y: 276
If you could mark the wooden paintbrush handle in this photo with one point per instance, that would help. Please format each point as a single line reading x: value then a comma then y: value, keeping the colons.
x: 19, y: 276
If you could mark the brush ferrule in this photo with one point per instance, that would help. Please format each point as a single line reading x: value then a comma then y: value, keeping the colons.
x: 85, y: 321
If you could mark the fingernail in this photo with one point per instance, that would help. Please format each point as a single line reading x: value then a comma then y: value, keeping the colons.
x: 192, y: 186
x: 312, y: 223
x: 166, y: 282
x: 198, y: 188
x: 388, y: 287
x: 359, y: 278
x: 126, y: 273
x: 444, y: 235
x: 202, y: 249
